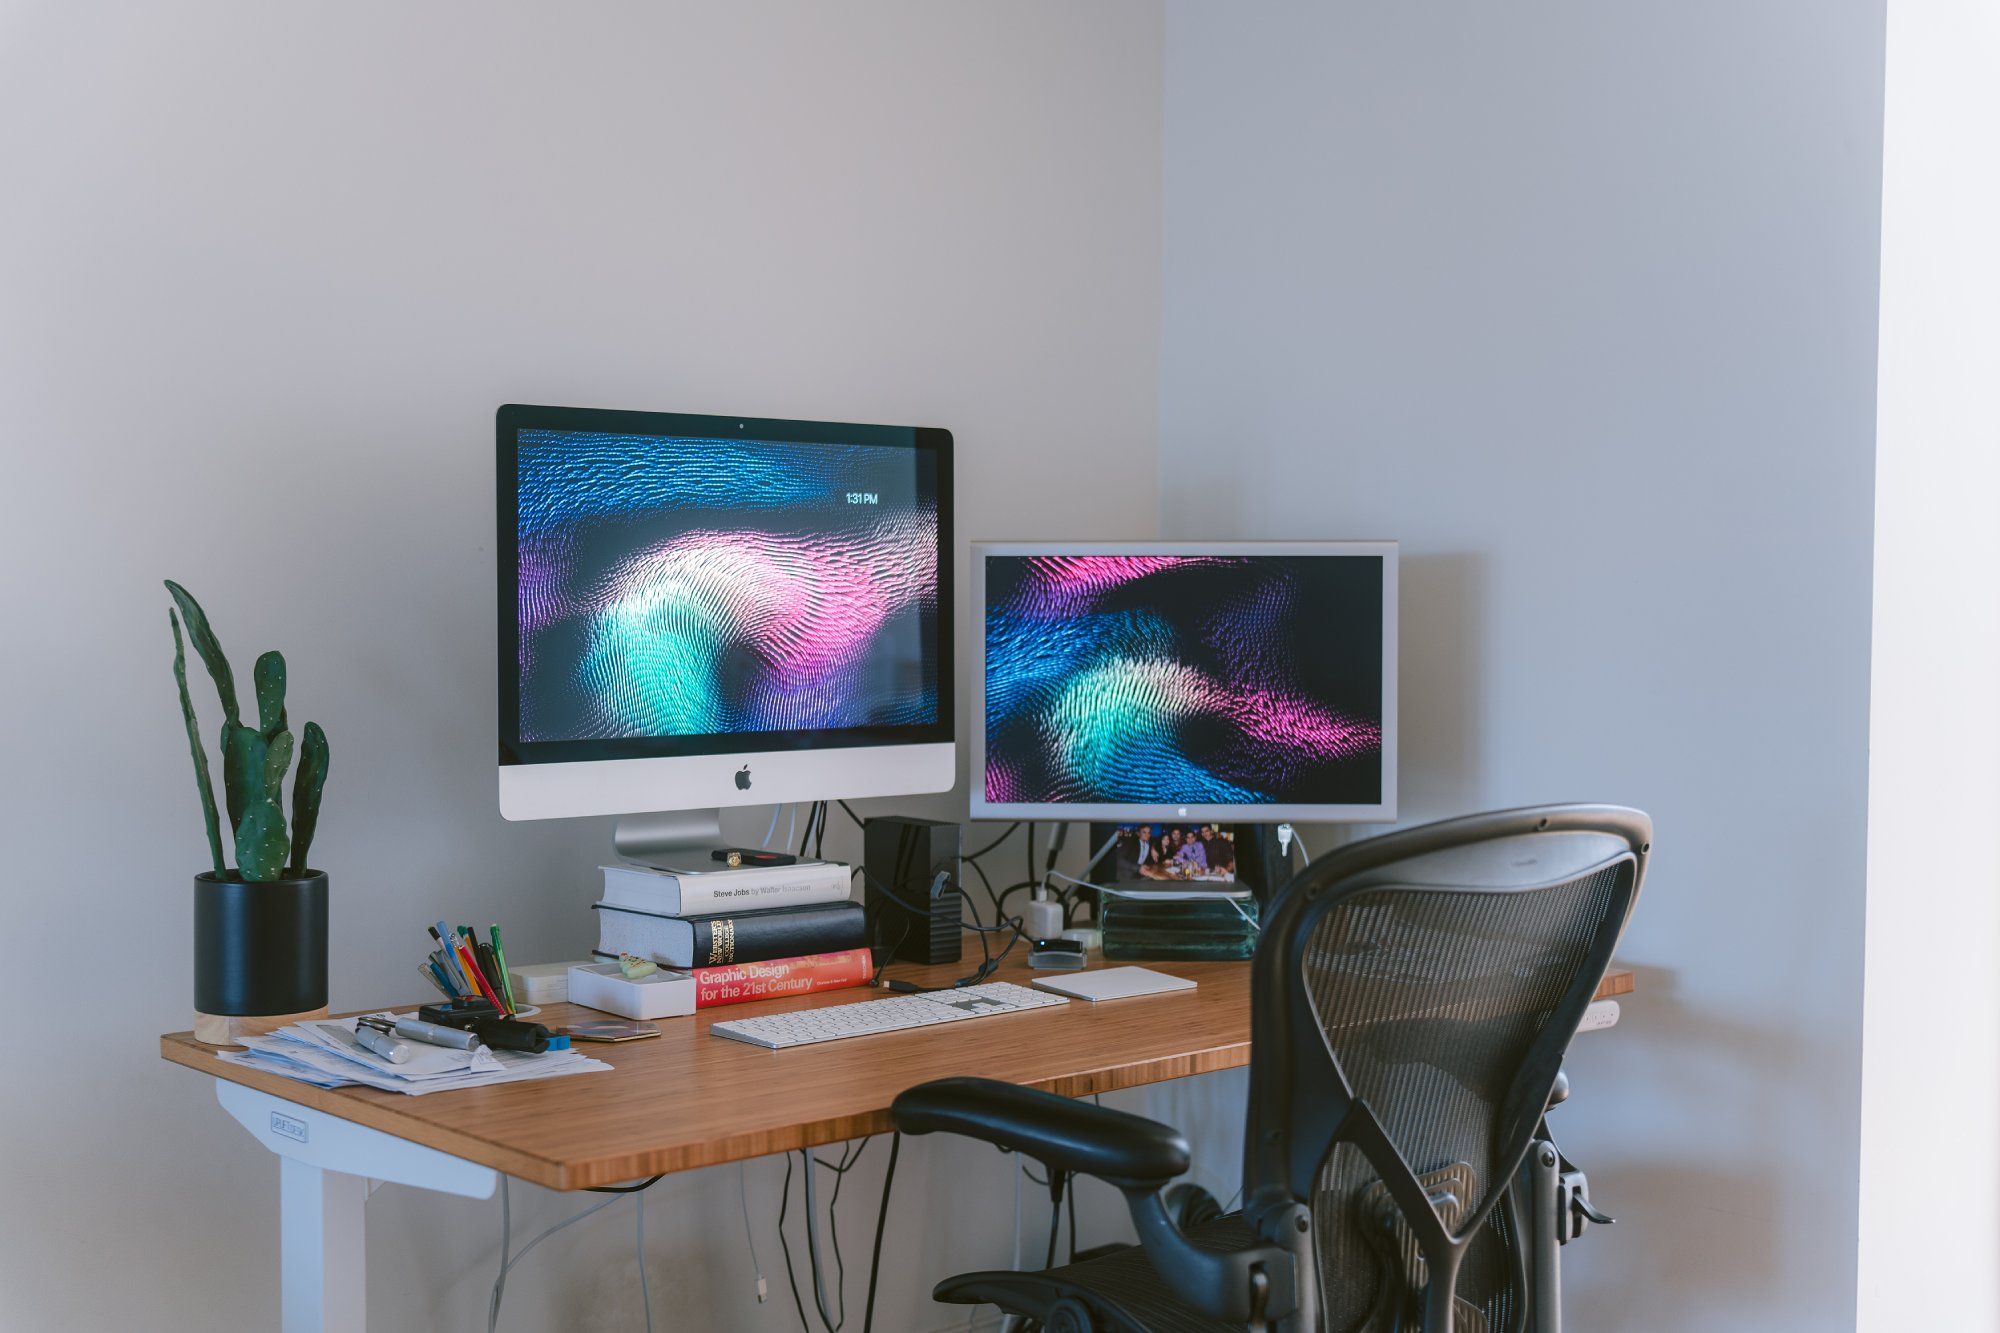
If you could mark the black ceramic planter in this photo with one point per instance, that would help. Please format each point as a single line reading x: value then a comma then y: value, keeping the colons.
x: 259, y: 949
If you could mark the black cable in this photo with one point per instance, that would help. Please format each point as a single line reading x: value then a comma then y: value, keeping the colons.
x: 791, y: 1278
x: 1007, y: 833
x: 815, y: 819
x: 847, y: 1163
x: 1031, y: 851
x: 859, y: 822
x: 990, y: 895
x: 1011, y: 889
x: 847, y: 1159
x: 889, y: 954
x: 881, y: 1223
x: 1072, y: 1220
x: 625, y: 1189
x: 812, y: 1249
x: 1011, y: 926
x: 1057, y: 838
x: 1001, y: 928
x: 819, y: 838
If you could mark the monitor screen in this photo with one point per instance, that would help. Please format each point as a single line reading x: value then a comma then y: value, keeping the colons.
x: 1237, y: 679
x: 703, y: 591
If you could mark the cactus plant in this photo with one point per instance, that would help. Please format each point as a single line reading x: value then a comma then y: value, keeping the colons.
x: 306, y: 788
x: 201, y: 778
x: 254, y: 759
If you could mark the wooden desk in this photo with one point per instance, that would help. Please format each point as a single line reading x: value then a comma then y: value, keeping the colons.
x: 685, y: 1099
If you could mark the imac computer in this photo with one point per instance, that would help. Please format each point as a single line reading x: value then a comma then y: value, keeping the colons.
x: 699, y: 611
x: 1180, y: 683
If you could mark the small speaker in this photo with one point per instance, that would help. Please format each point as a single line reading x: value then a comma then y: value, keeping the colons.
x: 908, y: 855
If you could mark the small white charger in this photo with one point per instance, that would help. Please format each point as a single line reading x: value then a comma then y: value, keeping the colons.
x: 1044, y: 917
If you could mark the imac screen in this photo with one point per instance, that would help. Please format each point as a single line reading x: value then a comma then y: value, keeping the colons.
x: 1184, y: 680
x: 673, y: 587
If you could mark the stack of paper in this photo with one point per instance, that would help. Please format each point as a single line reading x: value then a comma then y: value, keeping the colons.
x: 325, y: 1054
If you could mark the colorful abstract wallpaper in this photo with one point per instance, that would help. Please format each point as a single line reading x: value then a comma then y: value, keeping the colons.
x: 672, y: 587
x: 1183, y: 680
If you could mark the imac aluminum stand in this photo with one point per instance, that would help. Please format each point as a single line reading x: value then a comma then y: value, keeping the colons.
x: 670, y: 838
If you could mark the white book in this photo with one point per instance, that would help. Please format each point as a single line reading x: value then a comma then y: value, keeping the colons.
x: 683, y: 892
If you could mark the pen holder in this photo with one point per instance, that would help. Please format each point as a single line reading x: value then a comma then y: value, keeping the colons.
x: 259, y: 954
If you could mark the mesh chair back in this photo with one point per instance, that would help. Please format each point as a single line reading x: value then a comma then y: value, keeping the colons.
x: 1414, y: 995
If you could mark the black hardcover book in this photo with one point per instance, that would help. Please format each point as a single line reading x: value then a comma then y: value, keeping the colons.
x: 739, y: 937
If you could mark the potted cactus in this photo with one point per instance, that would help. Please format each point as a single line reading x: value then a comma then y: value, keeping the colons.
x: 260, y: 929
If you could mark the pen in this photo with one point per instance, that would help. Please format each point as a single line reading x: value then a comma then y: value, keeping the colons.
x: 442, y: 934
x: 429, y: 973
x: 500, y: 957
x: 491, y: 971
x: 470, y: 966
x: 443, y: 974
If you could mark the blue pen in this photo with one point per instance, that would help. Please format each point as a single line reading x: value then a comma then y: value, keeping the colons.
x: 436, y: 973
x: 444, y: 937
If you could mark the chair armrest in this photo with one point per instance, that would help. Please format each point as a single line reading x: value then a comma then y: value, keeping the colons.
x: 1137, y: 1155
x: 1129, y: 1151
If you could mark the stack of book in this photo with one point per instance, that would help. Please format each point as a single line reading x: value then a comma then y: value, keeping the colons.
x: 746, y: 934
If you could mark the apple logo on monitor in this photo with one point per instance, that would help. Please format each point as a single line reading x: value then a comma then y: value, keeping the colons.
x: 743, y: 778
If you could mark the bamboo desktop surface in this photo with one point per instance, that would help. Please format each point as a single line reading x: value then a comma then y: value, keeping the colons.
x: 685, y: 1099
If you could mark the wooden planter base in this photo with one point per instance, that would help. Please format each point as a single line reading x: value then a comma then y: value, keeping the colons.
x: 230, y: 1029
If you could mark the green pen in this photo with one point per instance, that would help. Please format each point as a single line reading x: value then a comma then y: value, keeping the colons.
x: 500, y: 957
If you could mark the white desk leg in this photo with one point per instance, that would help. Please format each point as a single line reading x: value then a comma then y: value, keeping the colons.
x: 323, y: 1241
x: 325, y: 1165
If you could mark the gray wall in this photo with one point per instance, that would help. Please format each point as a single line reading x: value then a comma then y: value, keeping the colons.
x: 1578, y: 301
x: 264, y: 274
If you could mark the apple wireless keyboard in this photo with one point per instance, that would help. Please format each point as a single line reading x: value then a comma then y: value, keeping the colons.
x: 804, y: 1027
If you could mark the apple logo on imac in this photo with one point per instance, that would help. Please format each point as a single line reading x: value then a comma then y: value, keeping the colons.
x: 743, y: 778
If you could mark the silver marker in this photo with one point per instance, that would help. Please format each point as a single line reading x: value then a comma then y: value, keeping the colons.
x: 436, y: 1034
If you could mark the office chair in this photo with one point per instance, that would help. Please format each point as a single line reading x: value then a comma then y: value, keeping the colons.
x: 1412, y: 997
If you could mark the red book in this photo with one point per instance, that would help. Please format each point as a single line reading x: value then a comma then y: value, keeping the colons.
x: 734, y: 983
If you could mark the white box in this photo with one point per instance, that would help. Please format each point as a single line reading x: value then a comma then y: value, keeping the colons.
x: 662, y: 994
x: 541, y: 983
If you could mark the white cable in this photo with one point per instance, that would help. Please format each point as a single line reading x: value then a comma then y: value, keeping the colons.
x: 639, y: 1228
x: 743, y: 1189
x: 507, y: 1264
x: 506, y: 1237
x: 775, y: 811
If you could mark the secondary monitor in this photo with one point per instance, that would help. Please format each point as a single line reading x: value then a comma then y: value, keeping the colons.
x: 1242, y: 682
x: 702, y: 611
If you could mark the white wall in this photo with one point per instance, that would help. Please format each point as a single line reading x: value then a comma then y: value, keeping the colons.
x: 1930, y: 1106
x: 265, y: 271
x: 1578, y: 301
